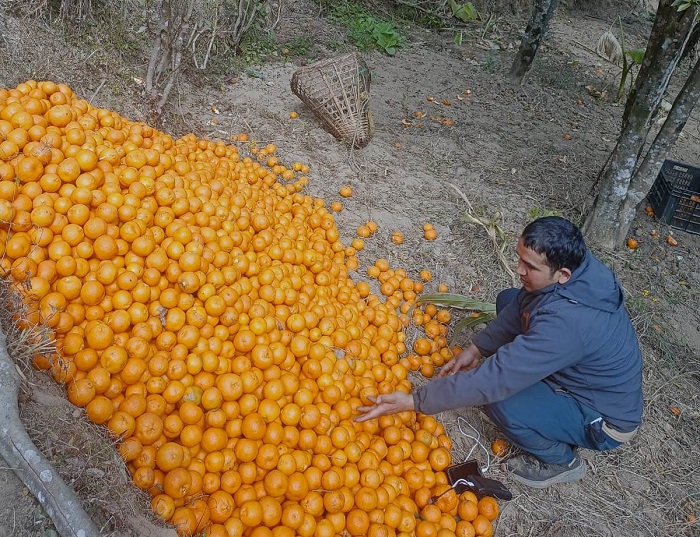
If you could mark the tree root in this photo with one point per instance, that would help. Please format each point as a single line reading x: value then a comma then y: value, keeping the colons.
x: 58, y: 499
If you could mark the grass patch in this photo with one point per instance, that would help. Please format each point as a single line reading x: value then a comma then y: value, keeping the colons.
x: 299, y: 46
x: 257, y: 46
x: 367, y: 31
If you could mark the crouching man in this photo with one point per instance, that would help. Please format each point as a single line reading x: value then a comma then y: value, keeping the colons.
x: 559, y: 367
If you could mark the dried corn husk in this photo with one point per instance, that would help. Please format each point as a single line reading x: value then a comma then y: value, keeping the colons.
x: 609, y: 48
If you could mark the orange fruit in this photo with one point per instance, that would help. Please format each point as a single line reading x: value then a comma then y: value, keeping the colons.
x: 499, y: 447
x: 482, y: 526
x: 464, y: 528
x: 488, y: 507
x: 177, y: 483
x: 357, y: 522
x: 467, y: 510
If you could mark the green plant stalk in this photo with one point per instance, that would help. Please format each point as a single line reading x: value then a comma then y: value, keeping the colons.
x: 623, y: 77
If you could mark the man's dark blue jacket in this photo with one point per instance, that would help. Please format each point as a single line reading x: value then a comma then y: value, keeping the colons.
x: 576, y: 336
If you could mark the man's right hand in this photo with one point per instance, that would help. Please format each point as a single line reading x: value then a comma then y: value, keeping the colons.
x: 464, y: 361
x: 390, y: 403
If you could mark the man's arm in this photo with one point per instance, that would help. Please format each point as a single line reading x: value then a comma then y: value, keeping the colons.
x: 548, y: 347
x: 503, y: 329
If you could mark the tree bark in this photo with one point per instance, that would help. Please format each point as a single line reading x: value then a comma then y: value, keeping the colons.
x: 611, y: 215
x: 682, y: 107
x: 535, y: 32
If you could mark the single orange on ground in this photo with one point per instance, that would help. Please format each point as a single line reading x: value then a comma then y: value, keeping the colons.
x: 430, y: 234
x: 499, y: 447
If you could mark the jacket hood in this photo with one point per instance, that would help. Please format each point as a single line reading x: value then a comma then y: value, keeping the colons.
x: 594, y: 285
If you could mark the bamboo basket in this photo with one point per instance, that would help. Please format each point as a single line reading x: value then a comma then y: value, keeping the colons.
x: 337, y: 90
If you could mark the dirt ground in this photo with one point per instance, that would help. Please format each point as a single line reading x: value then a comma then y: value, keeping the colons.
x: 521, y: 151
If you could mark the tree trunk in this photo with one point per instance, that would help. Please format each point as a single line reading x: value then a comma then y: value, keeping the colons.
x: 535, y: 32
x: 166, y: 54
x: 682, y: 107
x: 611, y: 217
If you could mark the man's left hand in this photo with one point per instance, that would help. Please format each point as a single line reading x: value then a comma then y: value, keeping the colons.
x: 389, y: 403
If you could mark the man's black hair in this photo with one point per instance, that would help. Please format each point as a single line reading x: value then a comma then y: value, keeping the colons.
x: 560, y: 241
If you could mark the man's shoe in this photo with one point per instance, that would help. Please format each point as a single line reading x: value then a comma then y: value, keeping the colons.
x: 531, y: 471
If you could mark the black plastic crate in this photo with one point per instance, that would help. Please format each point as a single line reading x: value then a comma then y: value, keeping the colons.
x: 675, y: 196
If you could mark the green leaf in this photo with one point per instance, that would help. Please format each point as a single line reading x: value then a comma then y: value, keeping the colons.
x: 470, y: 322
x: 682, y: 5
x: 464, y: 12
x: 637, y: 55
x: 454, y: 300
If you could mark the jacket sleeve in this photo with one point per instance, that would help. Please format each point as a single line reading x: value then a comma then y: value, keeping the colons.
x: 503, y: 329
x: 549, y: 346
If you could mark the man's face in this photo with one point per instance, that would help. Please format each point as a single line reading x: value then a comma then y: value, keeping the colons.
x: 534, y: 272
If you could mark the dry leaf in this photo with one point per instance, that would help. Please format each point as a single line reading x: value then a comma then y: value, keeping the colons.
x: 419, y: 114
x: 671, y: 241
x: 695, y: 198
x: 593, y: 92
x: 675, y: 410
x: 406, y: 123
x: 446, y: 103
x: 445, y: 121
x: 215, y: 110
x: 430, y: 99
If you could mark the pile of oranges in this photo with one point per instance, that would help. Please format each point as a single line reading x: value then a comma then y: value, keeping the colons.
x: 204, y: 313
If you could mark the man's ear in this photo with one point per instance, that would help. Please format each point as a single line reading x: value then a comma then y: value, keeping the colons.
x: 564, y: 275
